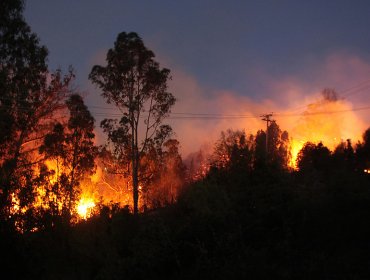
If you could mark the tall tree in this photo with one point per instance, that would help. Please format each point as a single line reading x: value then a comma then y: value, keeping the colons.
x: 134, y: 82
x: 29, y: 98
x: 278, y: 146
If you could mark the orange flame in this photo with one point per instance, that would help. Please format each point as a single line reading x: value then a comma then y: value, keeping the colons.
x: 330, y: 121
x: 85, y: 207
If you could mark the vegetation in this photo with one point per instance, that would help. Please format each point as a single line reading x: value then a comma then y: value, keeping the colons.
x: 306, y: 224
x: 30, y: 98
x: 246, y: 214
x: 137, y: 86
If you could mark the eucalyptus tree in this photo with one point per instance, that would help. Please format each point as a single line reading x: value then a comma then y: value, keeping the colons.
x: 135, y: 83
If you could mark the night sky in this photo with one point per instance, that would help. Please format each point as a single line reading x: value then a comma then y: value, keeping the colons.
x: 225, y: 56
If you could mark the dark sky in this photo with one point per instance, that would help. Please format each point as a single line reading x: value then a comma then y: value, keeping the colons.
x: 259, y: 50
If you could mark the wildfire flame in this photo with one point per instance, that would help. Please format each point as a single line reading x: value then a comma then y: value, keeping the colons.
x: 295, y: 147
x: 85, y: 207
x: 330, y: 121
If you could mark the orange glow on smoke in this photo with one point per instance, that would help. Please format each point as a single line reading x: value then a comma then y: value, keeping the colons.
x: 330, y: 121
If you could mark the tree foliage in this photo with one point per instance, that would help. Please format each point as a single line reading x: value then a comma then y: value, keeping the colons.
x: 134, y: 82
x: 311, y: 223
x: 276, y: 152
x: 281, y: 225
x: 313, y: 157
x: 167, y: 176
x: 71, y: 148
x: 363, y: 152
x: 234, y: 150
x: 30, y: 97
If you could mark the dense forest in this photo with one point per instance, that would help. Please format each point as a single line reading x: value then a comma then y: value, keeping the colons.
x: 132, y: 208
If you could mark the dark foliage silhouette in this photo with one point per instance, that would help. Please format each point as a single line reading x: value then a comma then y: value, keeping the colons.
x: 134, y: 82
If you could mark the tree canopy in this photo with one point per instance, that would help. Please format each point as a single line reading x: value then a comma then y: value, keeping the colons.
x: 134, y: 82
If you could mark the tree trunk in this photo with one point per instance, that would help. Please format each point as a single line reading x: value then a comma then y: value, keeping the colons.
x: 135, y: 167
x: 135, y: 183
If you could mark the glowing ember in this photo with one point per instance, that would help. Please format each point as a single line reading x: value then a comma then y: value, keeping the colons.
x: 85, y: 207
x: 15, y: 203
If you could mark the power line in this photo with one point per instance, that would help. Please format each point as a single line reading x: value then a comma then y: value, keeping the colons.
x: 358, y: 88
x: 323, y: 112
x: 226, y: 116
x: 218, y: 116
x: 347, y: 92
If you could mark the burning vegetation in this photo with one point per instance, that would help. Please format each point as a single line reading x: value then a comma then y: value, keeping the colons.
x: 51, y: 171
x: 133, y: 209
x: 329, y: 120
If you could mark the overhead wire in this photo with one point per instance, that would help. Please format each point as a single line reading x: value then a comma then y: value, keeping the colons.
x: 218, y: 116
x: 345, y: 93
x: 201, y: 116
x: 191, y: 115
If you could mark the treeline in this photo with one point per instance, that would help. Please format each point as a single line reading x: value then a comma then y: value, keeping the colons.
x: 241, y: 213
x: 237, y: 222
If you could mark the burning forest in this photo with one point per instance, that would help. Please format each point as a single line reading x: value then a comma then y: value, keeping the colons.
x: 72, y: 178
x: 53, y: 170
x: 155, y: 190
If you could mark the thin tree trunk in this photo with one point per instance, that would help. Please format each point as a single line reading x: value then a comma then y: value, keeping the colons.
x: 135, y: 160
x: 135, y: 187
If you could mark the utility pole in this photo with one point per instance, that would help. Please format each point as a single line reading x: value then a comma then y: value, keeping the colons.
x: 268, y: 120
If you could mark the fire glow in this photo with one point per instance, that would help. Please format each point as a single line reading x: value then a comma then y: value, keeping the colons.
x: 330, y: 121
x: 85, y: 207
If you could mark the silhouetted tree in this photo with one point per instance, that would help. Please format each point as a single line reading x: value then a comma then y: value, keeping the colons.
x: 169, y: 175
x: 260, y: 153
x: 73, y: 150
x: 278, y: 146
x: 233, y: 151
x: 29, y: 98
x: 363, y: 152
x: 314, y: 158
x: 344, y: 157
x: 133, y: 81
x: 198, y: 165
x: 278, y: 153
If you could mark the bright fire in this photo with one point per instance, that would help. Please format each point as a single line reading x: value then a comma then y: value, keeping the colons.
x: 85, y: 207
x: 295, y: 147
x: 330, y: 121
